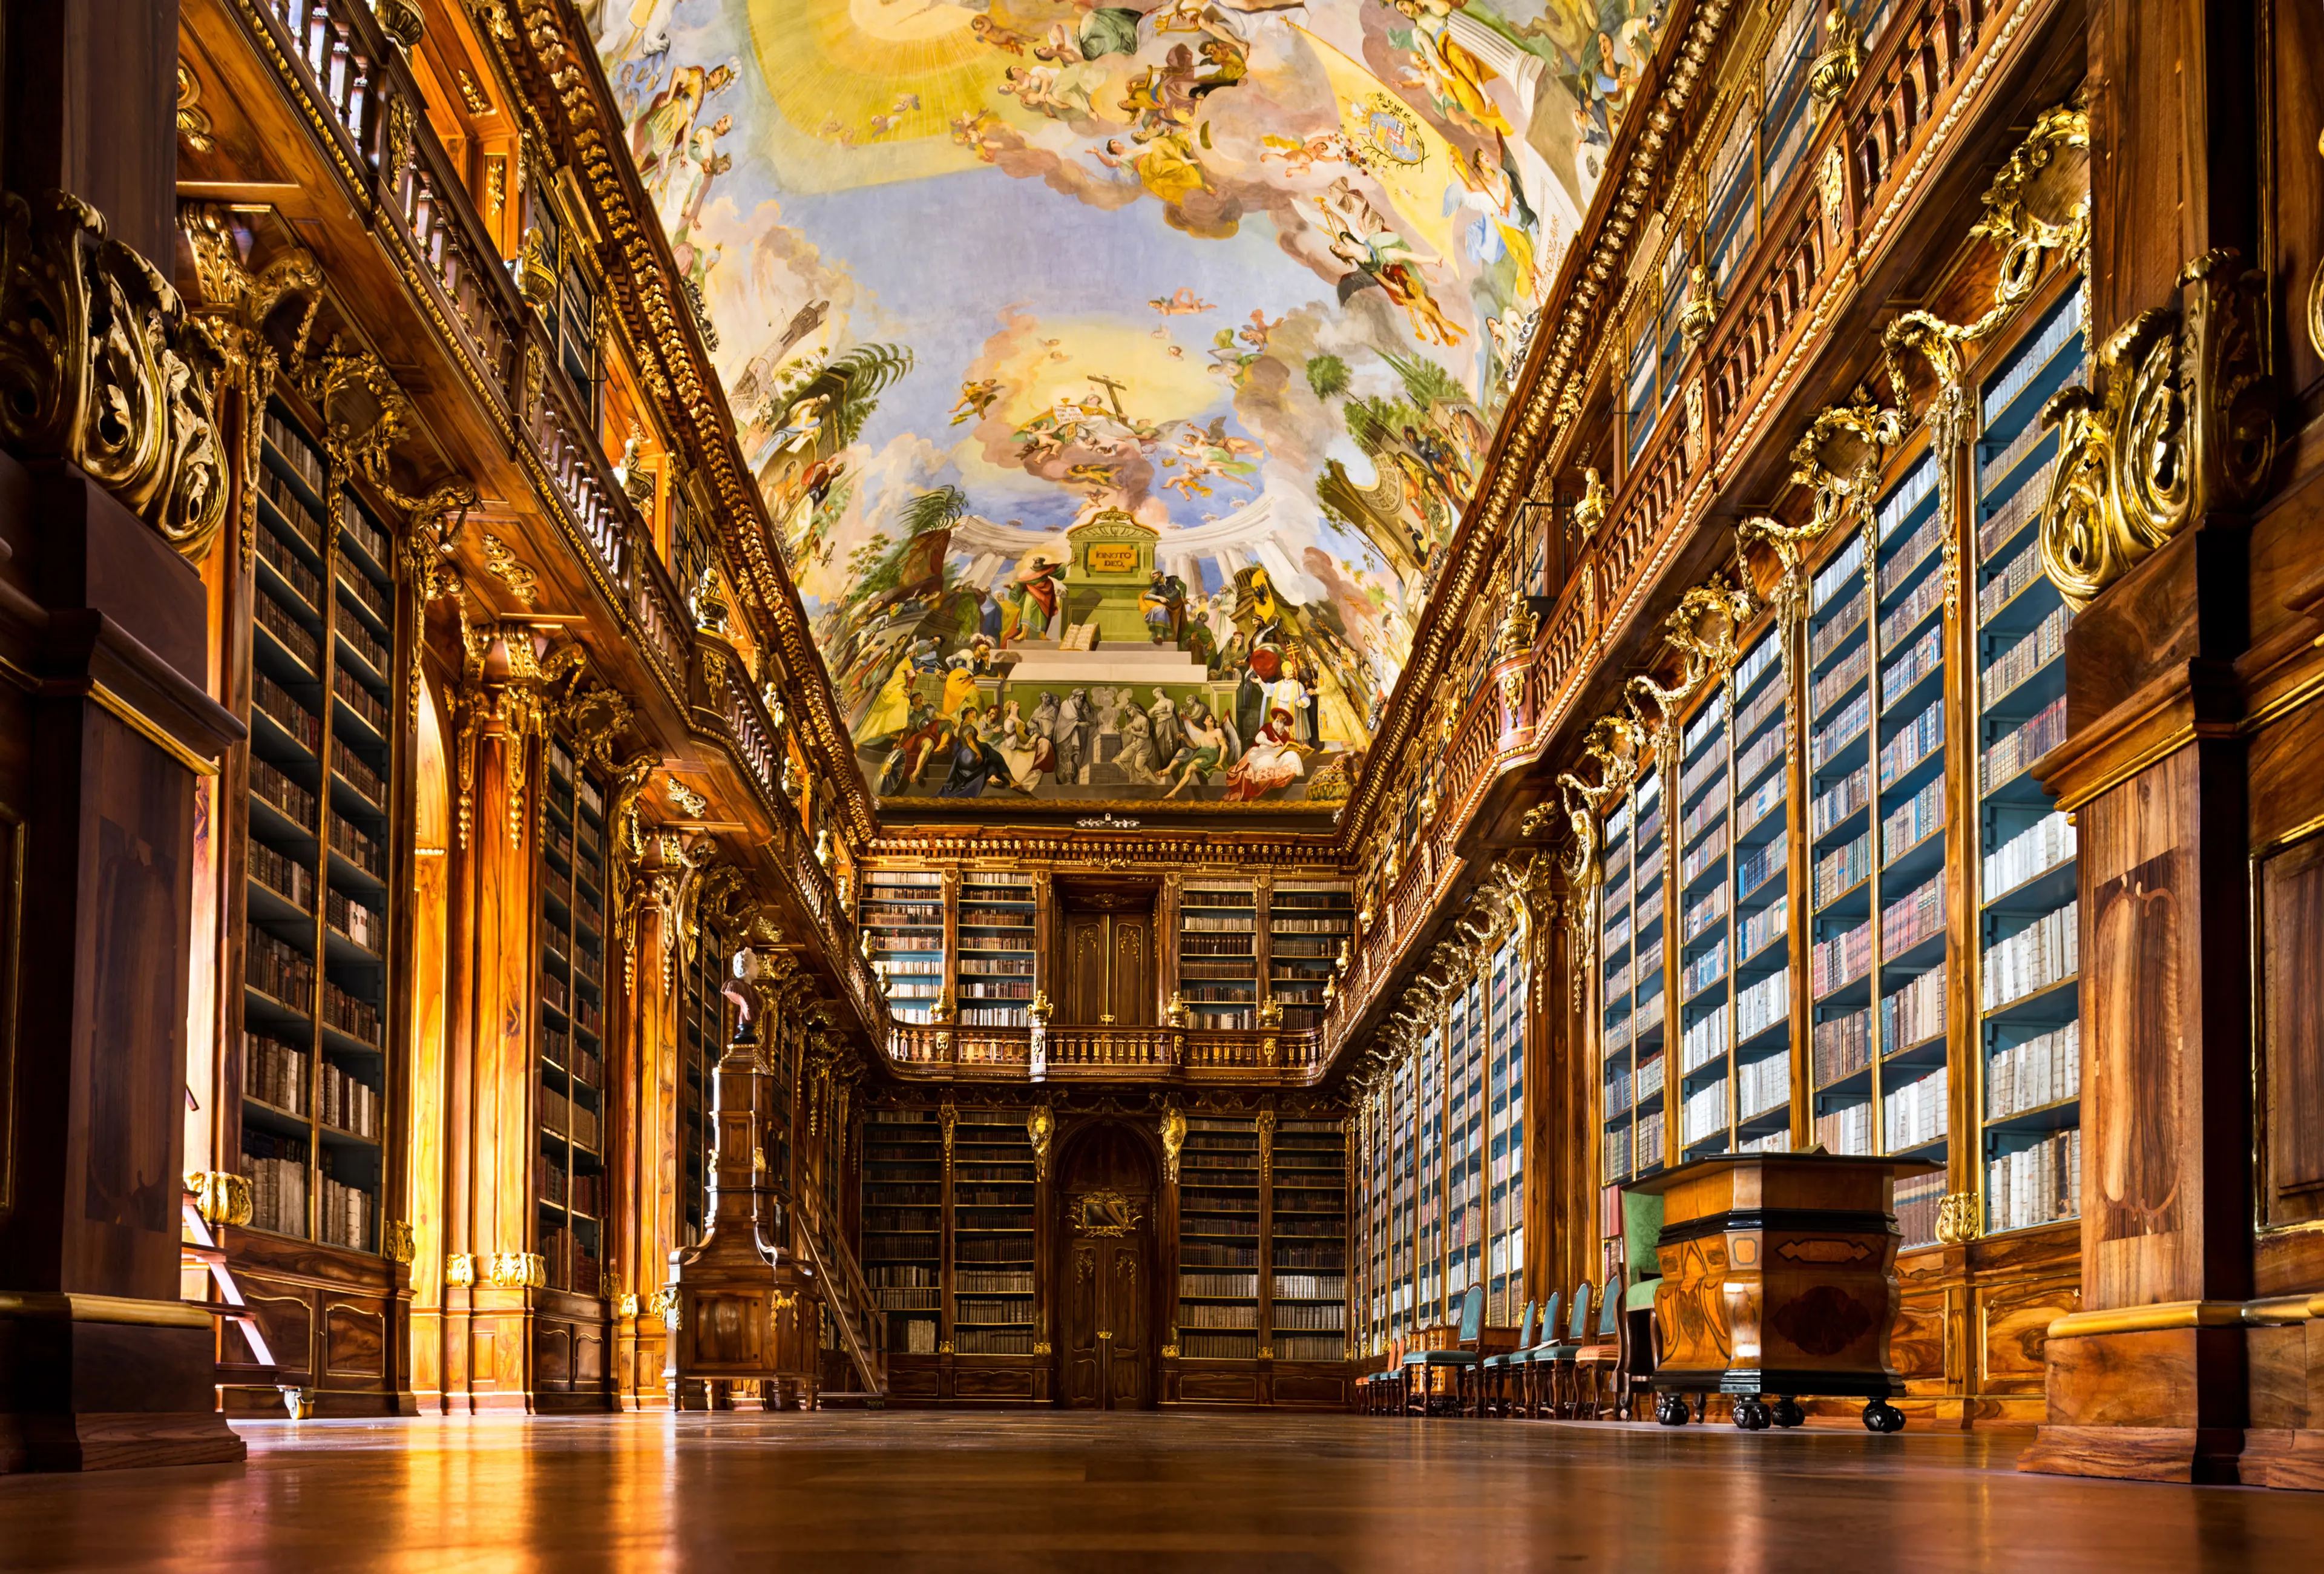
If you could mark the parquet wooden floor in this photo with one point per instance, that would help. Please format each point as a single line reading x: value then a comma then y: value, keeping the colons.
x: 1050, y: 1490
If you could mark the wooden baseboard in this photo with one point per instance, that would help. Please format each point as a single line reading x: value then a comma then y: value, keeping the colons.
x: 2134, y: 1453
x: 2288, y: 1458
x: 116, y: 1440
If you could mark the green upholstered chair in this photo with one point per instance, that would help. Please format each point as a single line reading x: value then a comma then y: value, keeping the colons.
x: 1494, y: 1388
x: 1521, y: 1358
x: 1553, y: 1365
x: 1602, y: 1360
x: 1642, y: 1227
x: 1461, y: 1362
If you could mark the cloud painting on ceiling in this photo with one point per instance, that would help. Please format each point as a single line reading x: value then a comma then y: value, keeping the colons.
x: 1116, y: 375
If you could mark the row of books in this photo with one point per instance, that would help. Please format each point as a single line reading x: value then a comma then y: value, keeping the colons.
x: 1913, y: 917
x: 1702, y: 854
x: 1309, y: 1347
x: 1836, y: 681
x: 2016, y: 515
x: 2005, y: 586
x: 1914, y: 1013
x: 1841, y: 730
x: 1908, y: 825
x: 1842, y: 1047
x: 1699, y: 774
x: 1704, y: 1114
x: 911, y: 1300
x: 1013, y: 1311
x: 275, y: 1072
x: 277, y: 620
x: 357, y: 923
x: 276, y: 1169
x: 349, y: 1103
x: 358, y: 848
x: 350, y: 767
x: 1704, y: 1043
x: 900, y: 1276
x: 1914, y: 742
x: 581, y: 1193
x: 1311, y: 1316
x: 1704, y: 970
x: 1846, y: 1130
x: 2036, y: 956
x: 1309, y: 1286
x: 2055, y: 336
x: 291, y: 715
x: 1912, y: 553
x: 292, y: 880
x: 1757, y: 932
x: 1278, y: 924
x: 360, y: 700
x: 368, y: 536
x: 1754, y: 869
x: 1191, y: 924
x: 1215, y: 1314
x: 276, y: 968
x: 1924, y: 598
x: 2036, y: 1184
x: 1843, y: 797
x: 569, y: 1117
x: 1618, y: 1152
x: 357, y: 1018
x: 2042, y: 1071
x: 1702, y: 915
x: 2037, y: 850
x: 1923, y: 656
x: 2043, y: 646
x: 1763, y: 1003
x: 1843, y: 868
x: 345, y: 1216
x: 1846, y: 567
x: 1763, y: 750
x: 271, y: 785
x: 1916, y: 1113
x: 1918, y: 1199
x: 1910, y: 494
x: 1841, y: 960
x: 1245, y: 1284
x: 996, y: 918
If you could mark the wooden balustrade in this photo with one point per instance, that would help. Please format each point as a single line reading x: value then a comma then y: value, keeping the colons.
x: 1925, y: 54
x: 1109, y: 1054
x: 1749, y: 333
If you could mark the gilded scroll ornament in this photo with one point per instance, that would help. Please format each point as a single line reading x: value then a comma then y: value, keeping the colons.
x: 193, y: 122
x: 99, y: 367
x: 460, y: 1270
x: 220, y: 1197
x: 396, y: 1242
x: 517, y: 1271
x: 503, y: 564
x: 1701, y: 313
x: 1838, y: 460
x: 1589, y: 508
x: 664, y: 1304
x: 2178, y: 427
x: 2316, y: 290
x: 1834, y: 72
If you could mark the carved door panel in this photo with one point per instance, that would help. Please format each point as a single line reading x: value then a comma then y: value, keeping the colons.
x: 1082, y: 1379
x: 1083, y: 996
x: 1125, y: 1308
x: 1133, y: 992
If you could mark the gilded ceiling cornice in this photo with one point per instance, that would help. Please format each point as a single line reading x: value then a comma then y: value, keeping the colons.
x: 1195, y: 851
x: 1548, y: 393
x: 672, y: 358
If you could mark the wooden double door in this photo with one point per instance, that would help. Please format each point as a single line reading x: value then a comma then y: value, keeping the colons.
x: 1108, y: 1251
x: 1108, y: 965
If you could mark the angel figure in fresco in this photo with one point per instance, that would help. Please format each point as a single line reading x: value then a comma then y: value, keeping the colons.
x: 1001, y: 38
x: 1272, y: 760
x: 679, y: 186
x: 1205, y: 749
x: 662, y: 132
x: 1385, y: 259
x: 1502, y: 226
x: 976, y: 399
x: 1183, y: 303
x: 1058, y: 91
x: 1452, y: 76
x: 1167, y: 166
x: 802, y: 425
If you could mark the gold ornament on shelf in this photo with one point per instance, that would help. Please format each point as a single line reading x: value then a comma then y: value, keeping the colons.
x: 1701, y: 313
x: 1040, y: 1124
x: 1174, y: 1141
x: 517, y: 1271
x: 220, y: 1197
x: 460, y: 1270
x: 1959, y: 1221
x: 396, y: 1242
x: 1834, y: 70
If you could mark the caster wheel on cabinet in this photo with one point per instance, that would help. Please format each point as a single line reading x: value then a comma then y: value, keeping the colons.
x: 1880, y: 1416
x: 1751, y: 1414
x: 1787, y: 1412
x: 1670, y: 1409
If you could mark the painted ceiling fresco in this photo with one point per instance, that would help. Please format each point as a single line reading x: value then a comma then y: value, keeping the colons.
x: 1116, y: 375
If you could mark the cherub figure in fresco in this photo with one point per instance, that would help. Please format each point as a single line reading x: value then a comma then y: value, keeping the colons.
x: 1301, y: 157
x: 1254, y: 332
x: 1103, y: 30
x: 1001, y: 38
x: 976, y: 399
x: 1058, y: 91
x: 1183, y: 303
x: 968, y: 131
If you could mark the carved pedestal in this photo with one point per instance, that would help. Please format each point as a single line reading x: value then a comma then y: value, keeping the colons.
x: 107, y: 730
x: 746, y: 1314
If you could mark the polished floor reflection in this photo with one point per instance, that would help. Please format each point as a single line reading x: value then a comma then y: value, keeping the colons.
x: 1047, y: 1490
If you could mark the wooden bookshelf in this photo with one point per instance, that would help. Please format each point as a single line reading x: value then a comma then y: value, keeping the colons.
x: 1307, y: 1246
x: 314, y: 1070
x: 702, y: 1019
x: 903, y: 1206
x: 902, y: 911
x: 572, y: 1193
x: 1307, y: 922
x: 1217, y: 955
x: 993, y: 951
x: 1219, y: 1240
x: 993, y: 1235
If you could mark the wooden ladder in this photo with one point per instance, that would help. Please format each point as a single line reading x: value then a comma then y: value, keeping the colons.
x: 198, y: 1251
x: 848, y: 1297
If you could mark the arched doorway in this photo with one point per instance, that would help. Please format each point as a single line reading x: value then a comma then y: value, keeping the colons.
x: 1107, y: 1254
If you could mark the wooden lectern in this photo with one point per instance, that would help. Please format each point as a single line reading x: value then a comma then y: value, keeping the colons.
x: 1779, y: 1280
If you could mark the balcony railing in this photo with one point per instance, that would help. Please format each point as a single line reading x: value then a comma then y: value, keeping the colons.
x: 1107, y: 1053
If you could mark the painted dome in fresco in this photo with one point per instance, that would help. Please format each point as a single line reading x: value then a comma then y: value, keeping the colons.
x: 1116, y: 375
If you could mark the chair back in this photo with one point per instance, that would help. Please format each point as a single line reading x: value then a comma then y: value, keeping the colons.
x: 1524, y: 1329
x: 1549, y: 1316
x: 1610, y: 1311
x: 1578, y: 1329
x: 1473, y: 1315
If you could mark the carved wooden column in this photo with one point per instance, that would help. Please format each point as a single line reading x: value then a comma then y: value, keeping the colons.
x: 2164, y: 462
x: 647, y: 1226
x: 491, y: 1268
